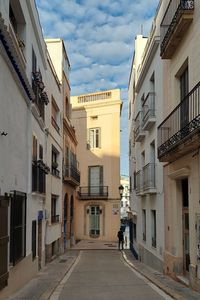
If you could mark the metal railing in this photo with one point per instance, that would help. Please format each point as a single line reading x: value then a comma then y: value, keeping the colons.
x: 138, y: 124
x: 139, y: 178
x: 93, y: 191
x: 148, y: 107
x: 181, y: 122
x: 73, y: 172
x: 149, y: 175
x: 171, y: 17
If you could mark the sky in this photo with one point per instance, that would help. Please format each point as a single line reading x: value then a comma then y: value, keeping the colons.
x: 99, y: 39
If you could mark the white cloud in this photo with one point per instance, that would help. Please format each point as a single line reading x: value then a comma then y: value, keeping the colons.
x: 99, y: 37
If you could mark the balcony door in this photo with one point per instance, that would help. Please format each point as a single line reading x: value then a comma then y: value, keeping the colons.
x: 95, y: 180
x: 184, y: 89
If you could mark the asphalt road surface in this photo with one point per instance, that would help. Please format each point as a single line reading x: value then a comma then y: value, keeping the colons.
x: 103, y: 275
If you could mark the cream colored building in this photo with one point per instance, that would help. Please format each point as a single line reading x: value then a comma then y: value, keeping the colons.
x: 178, y: 137
x: 96, y: 118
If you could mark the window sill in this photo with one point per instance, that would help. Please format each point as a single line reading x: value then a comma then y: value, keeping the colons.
x: 35, y: 194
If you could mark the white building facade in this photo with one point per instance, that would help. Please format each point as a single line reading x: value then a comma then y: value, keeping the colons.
x: 178, y: 138
x: 145, y: 92
x: 125, y: 197
x: 23, y: 143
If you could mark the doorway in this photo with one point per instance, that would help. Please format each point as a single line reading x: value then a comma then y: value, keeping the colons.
x: 186, y: 237
x: 39, y: 244
x: 184, y: 108
x: 94, y: 221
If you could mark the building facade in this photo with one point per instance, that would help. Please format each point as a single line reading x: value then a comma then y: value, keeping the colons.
x: 145, y: 169
x: 125, y: 201
x: 70, y: 166
x: 23, y: 144
x: 96, y: 118
x: 178, y: 138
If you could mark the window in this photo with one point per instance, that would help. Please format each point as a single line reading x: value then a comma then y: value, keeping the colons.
x: 153, y: 228
x: 17, y: 227
x: 67, y: 107
x: 144, y: 224
x: 38, y: 171
x: 54, y: 162
x: 95, y: 174
x: 41, y: 97
x: 94, y: 137
x: 18, y: 24
x: 54, y: 215
x: 55, y: 115
x: 184, y: 108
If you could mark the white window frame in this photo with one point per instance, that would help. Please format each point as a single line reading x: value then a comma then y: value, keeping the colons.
x: 95, y: 137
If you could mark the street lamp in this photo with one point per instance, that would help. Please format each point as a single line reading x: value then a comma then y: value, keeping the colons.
x: 121, y: 189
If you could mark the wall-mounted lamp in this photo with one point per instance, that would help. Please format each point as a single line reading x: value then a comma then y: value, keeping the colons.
x: 121, y: 189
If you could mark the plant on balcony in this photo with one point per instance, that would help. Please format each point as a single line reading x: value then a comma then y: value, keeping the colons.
x: 54, y: 164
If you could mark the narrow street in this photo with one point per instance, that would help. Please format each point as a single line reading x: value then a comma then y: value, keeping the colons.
x: 103, y: 275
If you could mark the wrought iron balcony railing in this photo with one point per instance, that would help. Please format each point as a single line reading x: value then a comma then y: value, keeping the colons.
x: 149, y: 174
x: 139, y: 132
x: 175, y: 22
x: 139, y: 182
x: 182, y: 123
x: 93, y: 192
x: 148, y: 111
x: 72, y: 174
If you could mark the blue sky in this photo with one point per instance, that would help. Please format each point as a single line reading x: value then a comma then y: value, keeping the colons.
x: 99, y: 38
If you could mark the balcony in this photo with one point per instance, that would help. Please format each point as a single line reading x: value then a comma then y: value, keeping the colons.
x: 93, y: 192
x: 139, y: 183
x: 149, y: 182
x: 55, y: 219
x: 139, y: 132
x: 178, y: 134
x: 176, y: 21
x: 148, y: 112
x: 72, y: 175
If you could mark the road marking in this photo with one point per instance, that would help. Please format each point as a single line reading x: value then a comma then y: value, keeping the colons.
x: 55, y: 295
x: 139, y: 275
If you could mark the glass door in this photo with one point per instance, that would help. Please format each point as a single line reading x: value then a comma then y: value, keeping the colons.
x: 94, y: 221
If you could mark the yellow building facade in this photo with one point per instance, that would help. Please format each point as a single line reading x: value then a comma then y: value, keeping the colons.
x: 96, y: 118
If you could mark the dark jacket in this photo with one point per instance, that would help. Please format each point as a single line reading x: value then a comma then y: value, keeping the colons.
x: 120, y: 235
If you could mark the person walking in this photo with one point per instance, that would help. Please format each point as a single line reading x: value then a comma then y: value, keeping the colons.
x: 120, y: 236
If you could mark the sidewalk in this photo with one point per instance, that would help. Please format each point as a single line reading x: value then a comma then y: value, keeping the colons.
x: 47, y: 280
x: 43, y: 285
x: 171, y: 287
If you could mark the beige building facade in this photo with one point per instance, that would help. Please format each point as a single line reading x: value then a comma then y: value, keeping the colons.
x: 178, y: 138
x: 96, y: 118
